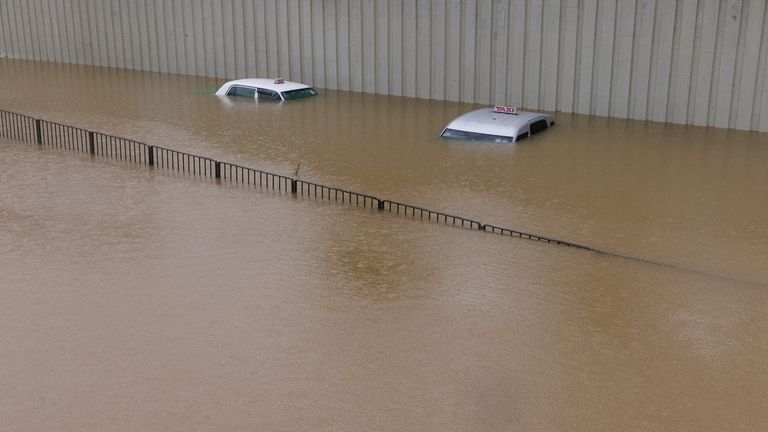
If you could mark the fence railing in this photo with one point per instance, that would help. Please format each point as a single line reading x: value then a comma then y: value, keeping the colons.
x: 18, y: 127
x: 22, y: 127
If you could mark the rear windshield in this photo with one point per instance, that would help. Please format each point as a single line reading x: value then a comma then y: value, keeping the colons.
x: 298, y: 94
x: 474, y: 136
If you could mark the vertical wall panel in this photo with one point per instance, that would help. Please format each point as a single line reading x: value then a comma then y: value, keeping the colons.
x: 751, y: 56
x: 687, y: 61
x: 123, y: 8
x: 602, y: 75
x: 20, y: 19
x: 550, y: 54
x: 484, y: 31
x: 121, y: 45
x: 468, y: 26
x: 409, y: 48
x: 453, y: 50
x: 217, y: 31
x: 11, y: 31
x: 4, y: 31
x: 143, y: 46
x: 760, y: 107
x: 294, y: 39
x: 167, y: 58
x: 318, y: 42
x: 283, y: 55
x: 103, y: 35
x: 516, y: 53
x: 228, y: 29
x: 726, y: 65
x: 683, y: 58
x: 79, y: 30
x: 66, y: 32
x: 31, y: 35
x: 423, y: 48
x: 704, y: 57
x: 86, y: 28
x: 661, y: 61
x: 380, y: 31
x: 437, y: 49
x: 533, y: 38
x: 151, y: 35
x: 395, y: 47
x: 206, y: 19
x: 330, y: 59
x: 355, y: 45
x: 39, y: 29
x: 135, y: 36
x: 193, y: 40
x: 259, y: 10
x: 57, y: 45
x: 623, y: 61
x: 567, y: 55
x: 198, y: 33
x: 238, y: 27
x: 342, y: 44
x: 499, y: 40
x: 641, y: 63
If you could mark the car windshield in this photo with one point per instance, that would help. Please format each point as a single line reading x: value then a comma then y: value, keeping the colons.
x: 474, y: 136
x: 300, y: 93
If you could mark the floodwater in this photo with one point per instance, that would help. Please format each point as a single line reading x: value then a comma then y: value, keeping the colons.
x: 135, y: 299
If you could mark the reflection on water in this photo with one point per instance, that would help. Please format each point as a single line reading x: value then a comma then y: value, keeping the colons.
x: 140, y: 299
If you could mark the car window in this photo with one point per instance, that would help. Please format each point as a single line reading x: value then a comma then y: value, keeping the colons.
x: 474, y: 136
x: 241, y: 91
x: 300, y: 93
x: 538, y: 126
x: 263, y: 94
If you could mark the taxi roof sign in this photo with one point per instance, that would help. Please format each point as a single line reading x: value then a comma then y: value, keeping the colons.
x: 505, y: 109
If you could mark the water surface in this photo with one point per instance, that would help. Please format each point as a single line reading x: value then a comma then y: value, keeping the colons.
x: 138, y: 299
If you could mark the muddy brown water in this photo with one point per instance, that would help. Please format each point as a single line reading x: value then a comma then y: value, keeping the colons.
x: 135, y: 299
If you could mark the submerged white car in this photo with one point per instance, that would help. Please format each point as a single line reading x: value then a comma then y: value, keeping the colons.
x: 266, y: 89
x: 498, y: 124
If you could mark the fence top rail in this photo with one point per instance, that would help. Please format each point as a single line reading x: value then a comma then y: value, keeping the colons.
x: 179, y: 152
x: 338, y: 189
x: 28, y: 117
x: 106, y: 135
x: 256, y: 170
x: 432, y: 211
x: 66, y: 126
x: 540, y: 237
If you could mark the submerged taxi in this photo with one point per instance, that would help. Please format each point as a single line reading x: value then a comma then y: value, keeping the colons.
x: 266, y: 89
x: 498, y: 124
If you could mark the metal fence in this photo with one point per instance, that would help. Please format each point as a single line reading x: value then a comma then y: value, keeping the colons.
x: 21, y: 127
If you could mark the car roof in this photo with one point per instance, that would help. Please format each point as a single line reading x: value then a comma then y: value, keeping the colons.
x: 488, y: 121
x: 264, y: 83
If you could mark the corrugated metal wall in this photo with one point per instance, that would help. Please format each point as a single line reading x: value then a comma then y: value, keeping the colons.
x: 701, y: 62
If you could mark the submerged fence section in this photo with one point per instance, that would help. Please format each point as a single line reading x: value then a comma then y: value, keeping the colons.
x: 22, y: 127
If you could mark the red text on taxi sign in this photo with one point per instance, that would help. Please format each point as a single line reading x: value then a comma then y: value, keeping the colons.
x: 505, y: 109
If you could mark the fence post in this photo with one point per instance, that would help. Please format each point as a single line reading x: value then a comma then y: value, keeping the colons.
x: 380, y: 205
x: 91, y: 143
x: 150, y: 155
x: 218, y: 169
x: 38, y: 131
x: 294, y: 186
